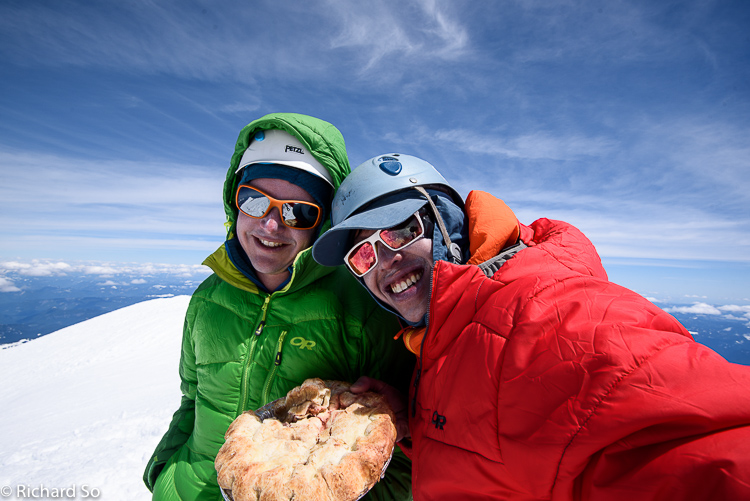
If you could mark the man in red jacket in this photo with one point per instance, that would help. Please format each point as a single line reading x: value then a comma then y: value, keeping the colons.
x: 536, y: 377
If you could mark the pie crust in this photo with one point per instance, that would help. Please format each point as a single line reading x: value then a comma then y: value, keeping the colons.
x: 320, y: 442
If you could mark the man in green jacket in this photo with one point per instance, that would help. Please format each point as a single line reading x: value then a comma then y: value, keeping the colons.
x: 269, y: 317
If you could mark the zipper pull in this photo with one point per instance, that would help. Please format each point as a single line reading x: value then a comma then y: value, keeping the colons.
x: 263, y: 321
x: 279, y: 345
x: 260, y: 328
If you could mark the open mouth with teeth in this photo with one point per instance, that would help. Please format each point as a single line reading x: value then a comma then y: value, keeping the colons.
x: 270, y: 244
x: 401, y: 286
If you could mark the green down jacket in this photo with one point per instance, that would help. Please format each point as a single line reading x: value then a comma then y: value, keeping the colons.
x: 242, y: 348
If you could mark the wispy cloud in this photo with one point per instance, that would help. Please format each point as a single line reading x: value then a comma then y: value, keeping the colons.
x: 242, y: 106
x: 707, y: 153
x: 744, y: 310
x: 697, y: 308
x: 619, y: 31
x: 728, y: 312
x: 47, y: 199
x: 381, y: 34
x: 7, y: 285
x: 150, y: 37
x: 531, y: 146
x: 48, y: 268
x: 454, y: 35
x: 215, y: 41
x: 37, y: 268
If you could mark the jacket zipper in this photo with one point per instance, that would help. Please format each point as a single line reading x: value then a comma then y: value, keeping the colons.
x: 251, y: 353
x: 272, y: 372
x: 258, y: 331
x: 421, y: 348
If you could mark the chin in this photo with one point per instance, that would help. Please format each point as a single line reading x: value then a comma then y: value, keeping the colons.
x: 410, y: 315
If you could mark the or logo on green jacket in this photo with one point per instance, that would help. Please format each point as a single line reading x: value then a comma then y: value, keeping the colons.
x: 302, y: 343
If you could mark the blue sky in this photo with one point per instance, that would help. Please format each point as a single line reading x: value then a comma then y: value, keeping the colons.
x: 628, y: 119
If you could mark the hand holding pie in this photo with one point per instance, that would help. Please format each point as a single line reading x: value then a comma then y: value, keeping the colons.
x: 320, y: 442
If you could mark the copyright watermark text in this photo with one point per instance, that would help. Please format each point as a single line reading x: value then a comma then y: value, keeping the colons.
x: 74, y: 491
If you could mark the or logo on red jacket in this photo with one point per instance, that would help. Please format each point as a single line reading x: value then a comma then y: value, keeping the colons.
x: 438, y: 420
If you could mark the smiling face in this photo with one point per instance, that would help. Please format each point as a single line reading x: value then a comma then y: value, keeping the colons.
x: 401, y: 278
x: 270, y: 245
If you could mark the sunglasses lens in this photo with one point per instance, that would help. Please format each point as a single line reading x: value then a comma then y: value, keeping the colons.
x: 299, y: 215
x: 251, y: 202
x: 362, y: 258
x: 400, y: 235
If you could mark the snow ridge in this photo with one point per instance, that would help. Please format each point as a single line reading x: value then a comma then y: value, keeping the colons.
x: 86, y: 405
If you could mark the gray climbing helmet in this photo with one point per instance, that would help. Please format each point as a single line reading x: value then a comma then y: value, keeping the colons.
x: 380, y: 193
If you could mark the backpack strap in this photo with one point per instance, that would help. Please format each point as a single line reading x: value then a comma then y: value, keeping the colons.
x: 491, y: 266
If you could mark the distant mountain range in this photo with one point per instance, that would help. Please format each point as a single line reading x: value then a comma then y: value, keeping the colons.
x: 728, y: 337
x: 47, y: 304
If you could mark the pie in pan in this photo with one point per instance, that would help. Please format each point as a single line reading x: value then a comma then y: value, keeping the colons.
x: 320, y: 442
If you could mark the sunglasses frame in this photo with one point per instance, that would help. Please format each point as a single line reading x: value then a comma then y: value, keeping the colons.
x: 375, y: 237
x: 274, y: 202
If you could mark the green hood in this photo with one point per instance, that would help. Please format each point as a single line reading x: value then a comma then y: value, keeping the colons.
x: 322, y: 139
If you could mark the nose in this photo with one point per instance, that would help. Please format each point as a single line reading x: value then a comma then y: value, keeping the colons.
x: 388, y: 258
x: 272, y: 220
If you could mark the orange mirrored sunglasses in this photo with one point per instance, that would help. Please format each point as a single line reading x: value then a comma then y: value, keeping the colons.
x: 295, y: 214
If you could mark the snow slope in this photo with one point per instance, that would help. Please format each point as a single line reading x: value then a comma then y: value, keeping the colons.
x: 86, y: 405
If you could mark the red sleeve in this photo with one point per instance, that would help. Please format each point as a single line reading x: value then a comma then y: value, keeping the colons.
x: 606, y: 397
x: 678, y: 428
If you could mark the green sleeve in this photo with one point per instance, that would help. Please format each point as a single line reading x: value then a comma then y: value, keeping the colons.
x: 183, y: 420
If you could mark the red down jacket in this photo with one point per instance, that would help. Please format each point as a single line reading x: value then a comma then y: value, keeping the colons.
x: 550, y: 382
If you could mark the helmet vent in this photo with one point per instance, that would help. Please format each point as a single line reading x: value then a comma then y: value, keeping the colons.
x: 390, y: 166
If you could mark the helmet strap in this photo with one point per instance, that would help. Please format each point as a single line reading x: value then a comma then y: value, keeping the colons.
x: 453, y: 249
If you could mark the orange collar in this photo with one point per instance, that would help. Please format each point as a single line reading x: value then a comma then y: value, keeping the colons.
x: 492, y: 226
x: 413, y: 337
